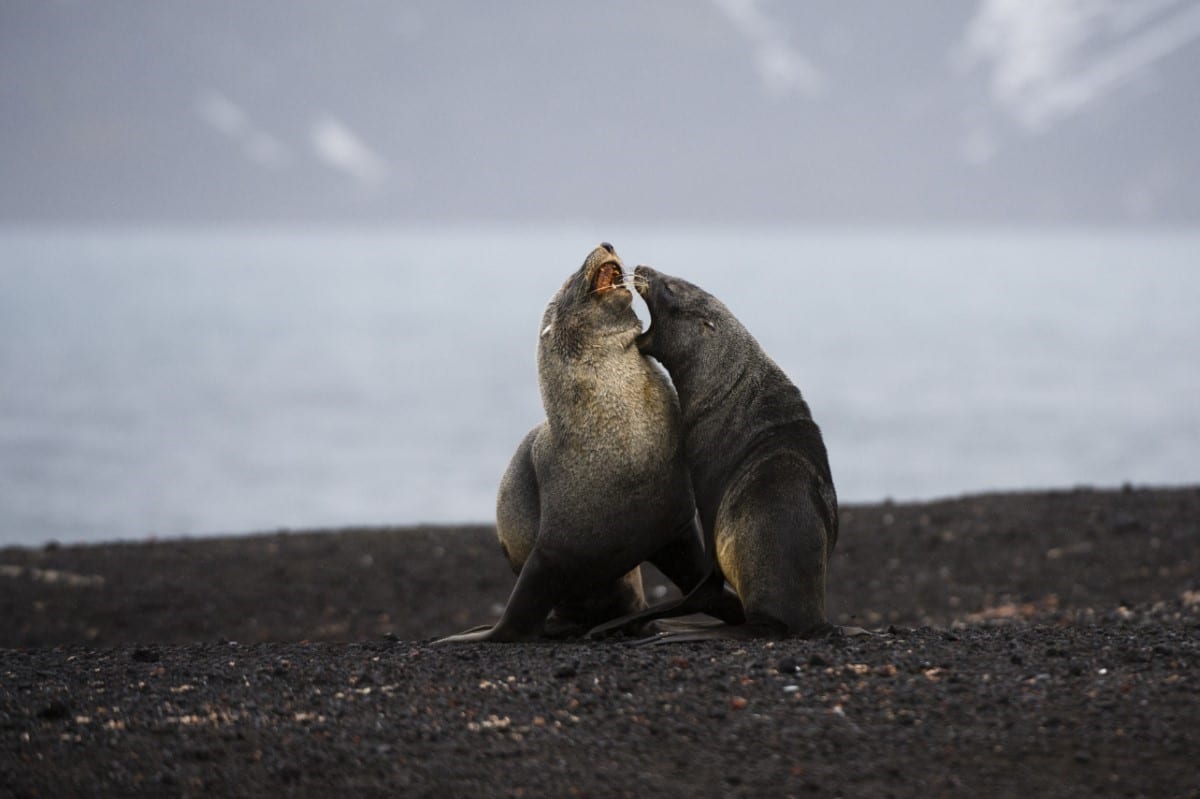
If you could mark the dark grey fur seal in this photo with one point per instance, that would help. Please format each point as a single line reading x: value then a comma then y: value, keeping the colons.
x: 602, y: 484
x: 758, y: 463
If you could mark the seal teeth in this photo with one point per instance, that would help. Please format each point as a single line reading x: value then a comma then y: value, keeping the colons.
x: 605, y: 277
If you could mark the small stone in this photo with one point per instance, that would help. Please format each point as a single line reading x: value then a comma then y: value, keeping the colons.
x: 1125, y: 523
x: 145, y: 655
x: 55, y: 711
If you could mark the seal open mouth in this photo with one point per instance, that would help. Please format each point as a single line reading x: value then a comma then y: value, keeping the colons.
x: 608, y: 277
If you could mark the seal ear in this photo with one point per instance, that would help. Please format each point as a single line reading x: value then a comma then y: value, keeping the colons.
x: 710, y: 324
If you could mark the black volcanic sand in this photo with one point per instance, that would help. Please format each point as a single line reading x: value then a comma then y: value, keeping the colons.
x: 1040, y: 644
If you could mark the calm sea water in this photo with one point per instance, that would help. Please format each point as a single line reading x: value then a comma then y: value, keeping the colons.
x: 188, y: 383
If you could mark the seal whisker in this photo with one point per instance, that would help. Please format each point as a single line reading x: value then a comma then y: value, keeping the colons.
x: 609, y: 287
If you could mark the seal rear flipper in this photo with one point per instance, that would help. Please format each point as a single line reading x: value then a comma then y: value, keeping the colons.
x: 578, y: 613
x: 757, y: 628
x: 557, y: 629
x: 711, y: 596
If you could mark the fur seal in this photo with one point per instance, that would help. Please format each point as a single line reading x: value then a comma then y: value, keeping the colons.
x: 759, y: 468
x: 602, y: 484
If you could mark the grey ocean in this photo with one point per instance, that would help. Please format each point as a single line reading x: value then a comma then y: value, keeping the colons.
x: 188, y: 383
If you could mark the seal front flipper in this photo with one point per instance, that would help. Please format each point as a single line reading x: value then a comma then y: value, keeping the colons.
x: 475, y: 629
x: 538, y: 587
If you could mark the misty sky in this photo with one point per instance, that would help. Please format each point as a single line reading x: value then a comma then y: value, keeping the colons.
x: 729, y: 111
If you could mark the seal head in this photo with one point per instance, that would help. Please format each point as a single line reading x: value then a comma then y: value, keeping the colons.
x: 593, y: 310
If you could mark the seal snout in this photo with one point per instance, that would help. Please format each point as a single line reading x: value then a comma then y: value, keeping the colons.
x: 641, y: 277
x: 603, y: 271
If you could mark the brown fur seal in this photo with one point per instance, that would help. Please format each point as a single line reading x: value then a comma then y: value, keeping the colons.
x: 759, y: 467
x: 602, y: 484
